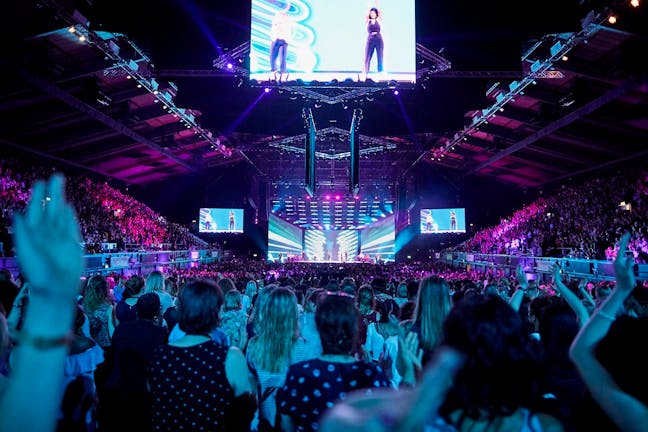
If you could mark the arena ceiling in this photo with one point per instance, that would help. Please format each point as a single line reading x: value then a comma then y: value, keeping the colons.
x: 550, y: 95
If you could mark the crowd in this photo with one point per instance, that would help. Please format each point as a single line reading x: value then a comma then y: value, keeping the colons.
x: 583, y: 220
x: 106, y: 215
x: 296, y: 347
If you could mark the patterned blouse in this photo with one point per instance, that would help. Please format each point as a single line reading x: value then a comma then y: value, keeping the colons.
x: 189, y: 388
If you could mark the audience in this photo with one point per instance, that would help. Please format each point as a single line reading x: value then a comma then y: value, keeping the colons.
x: 545, y: 354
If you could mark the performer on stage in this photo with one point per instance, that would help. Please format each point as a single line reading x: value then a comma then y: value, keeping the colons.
x: 453, y: 220
x: 281, y: 34
x: 209, y: 221
x: 232, y: 221
x: 374, y: 40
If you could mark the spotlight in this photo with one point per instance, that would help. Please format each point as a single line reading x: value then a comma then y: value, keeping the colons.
x: 72, y: 29
x: 337, y: 197
x: 230, y: 66
x: 565, y: 58
x: 612, y: 19
x: 396, y: 92
x: 83, y: 38
x: 634, y: 3
x: 327, y: 197
x: 267, y: 90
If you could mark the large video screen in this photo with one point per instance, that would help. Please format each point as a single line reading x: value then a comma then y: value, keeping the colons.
x: 331, y: 245
x: 440, y: 221
x: 220, y: 220
x: 284, y: 239
x: 378, y: 240
x: 319, y: 40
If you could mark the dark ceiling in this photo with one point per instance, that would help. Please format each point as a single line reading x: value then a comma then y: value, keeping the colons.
x: 526, y: 122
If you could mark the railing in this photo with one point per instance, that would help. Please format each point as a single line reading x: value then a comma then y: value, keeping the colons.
x: 539, y: 267
x: 128, y: 263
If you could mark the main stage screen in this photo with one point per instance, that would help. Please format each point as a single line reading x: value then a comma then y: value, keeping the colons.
x: 331, y: 245
x: 284, y: 239
x: 220, y: 220
x: 327, y: 40
x: 378, y: 239
x: 439, y: 221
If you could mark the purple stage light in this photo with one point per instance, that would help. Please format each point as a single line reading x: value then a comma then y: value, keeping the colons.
x: 396, y: 92
x: 230, y: 66
x: 337, y: 197
x: 308, y: 197
x: 328, y: 197
x: 267, y: 90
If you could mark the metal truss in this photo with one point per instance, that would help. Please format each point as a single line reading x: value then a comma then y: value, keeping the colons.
x: 333, y: 92
x: 558, y: 45
x: 295, y: 144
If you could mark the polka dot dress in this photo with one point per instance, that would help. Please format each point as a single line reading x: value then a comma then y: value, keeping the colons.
x: 314, y: 386
x: 189, y: 388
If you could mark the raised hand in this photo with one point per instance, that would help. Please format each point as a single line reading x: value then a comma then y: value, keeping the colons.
x: 409, y: 360
x: 521, y: 277
x: 623, y: 266
x: 555, y: 273
x: 48, y: 242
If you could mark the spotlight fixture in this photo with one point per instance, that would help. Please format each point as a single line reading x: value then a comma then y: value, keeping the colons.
x: 267, y: 90
x: 612, y: 19
x: 634, y: 3
x: 396, y: 92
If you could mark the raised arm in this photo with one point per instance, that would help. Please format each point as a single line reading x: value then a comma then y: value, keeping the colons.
x: 49, y: 254
x: 523, y: 286
x: 626, y: 411
x: 572, y: 299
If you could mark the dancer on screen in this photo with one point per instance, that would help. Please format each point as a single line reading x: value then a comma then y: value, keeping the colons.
x: 232, y: 220
x: 453, y: 220
x: 281, y: 34
x: 374, y: 39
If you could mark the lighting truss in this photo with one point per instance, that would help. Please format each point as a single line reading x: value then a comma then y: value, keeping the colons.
x: 139, y: 70
x: 333, y: 92
x: 559, y: 45
x: 295, y: 144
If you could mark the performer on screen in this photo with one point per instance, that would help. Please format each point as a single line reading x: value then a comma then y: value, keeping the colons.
x: 232, y: 220
x: 453, y: 220
x: 280, y: 37
x: 209, y: 221
x: 374, y: 40
x: 430, y: 223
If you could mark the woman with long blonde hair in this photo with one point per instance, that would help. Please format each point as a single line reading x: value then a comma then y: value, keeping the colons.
x: 270, y: 352
x: 155, y: 283
x: 433, y: 304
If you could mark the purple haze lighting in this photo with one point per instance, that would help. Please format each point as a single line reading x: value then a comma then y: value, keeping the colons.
x: 337, y: 197
x: 328, y: 197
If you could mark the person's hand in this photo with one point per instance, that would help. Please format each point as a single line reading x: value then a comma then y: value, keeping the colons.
x: 409, y: 360
x: 521, y: 277
x: 555, y: 274
x: 48, y: 242
x: 403, y: 411
x: 623, y: 266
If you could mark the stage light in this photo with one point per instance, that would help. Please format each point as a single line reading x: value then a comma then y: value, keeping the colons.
x: 327, y: 197
x: 612, y: 19
x: 308, y: 197
x: 82, y: 38
x: 634, y: 3
x: 139, y: 85
x: 396, y: 92
x: 72, y: 29
x: 565, y: 58
x: 267, y: 90
x: 230, y: 66
x: 337, y: 197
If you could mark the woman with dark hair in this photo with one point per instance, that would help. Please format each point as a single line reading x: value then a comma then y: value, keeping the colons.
x: 374, y: 40
x: 125, y: 309
x: 195, y: 382
x: 314, y: 386
x: 498, y: 387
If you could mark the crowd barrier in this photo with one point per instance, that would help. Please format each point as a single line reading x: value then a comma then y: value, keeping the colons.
x: 537, y: 267
x: 129, y: 263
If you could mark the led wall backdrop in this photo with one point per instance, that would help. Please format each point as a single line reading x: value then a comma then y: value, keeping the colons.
x: 439, y: 221
x: 284, y: 239
x: 378, y: 239
x: 219, y: 220
x: 331, y: 245
x: 326, y: 40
